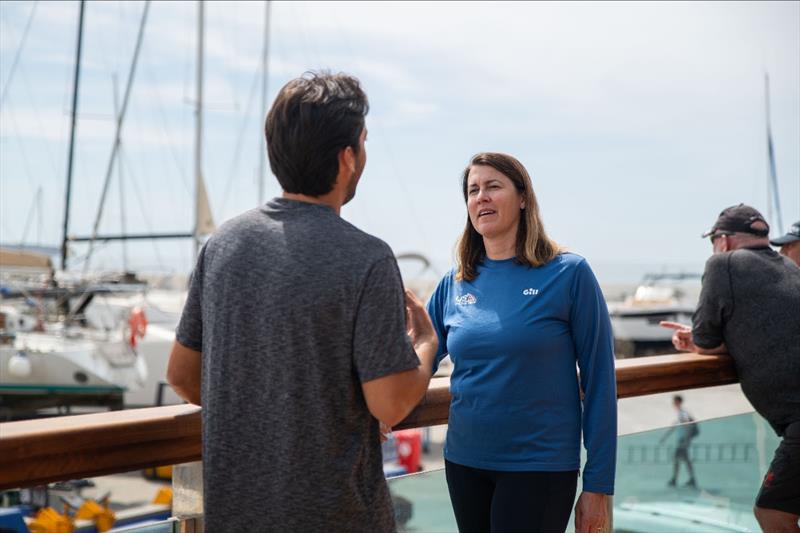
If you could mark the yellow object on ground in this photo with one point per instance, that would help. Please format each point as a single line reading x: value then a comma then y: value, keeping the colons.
x: 102, y: 517
x: 159, y: 472
x: 164, y: 496
x: 48, y: 520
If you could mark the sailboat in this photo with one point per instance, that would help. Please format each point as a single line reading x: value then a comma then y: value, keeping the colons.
x: 68, y: 341
x: 163, y: 306
x: 51, y: 360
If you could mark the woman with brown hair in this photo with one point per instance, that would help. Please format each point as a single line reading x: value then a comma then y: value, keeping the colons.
x: 515, y: 315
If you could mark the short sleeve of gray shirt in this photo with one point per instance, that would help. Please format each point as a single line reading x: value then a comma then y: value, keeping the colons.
x: 380, y: 316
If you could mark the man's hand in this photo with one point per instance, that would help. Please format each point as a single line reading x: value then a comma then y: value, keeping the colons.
x: 682, y: 337
x: 591, y: 513
x: 390, y: 398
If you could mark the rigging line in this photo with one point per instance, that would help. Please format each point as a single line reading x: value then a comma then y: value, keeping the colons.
x: 239, y: 142
x: 104, y: 47
x: 76, y: 260
x: 29, y: 93
x: 138, y: 194
x: 185, y: 38
x: 231, y: 46
x: 772, y: 177
x: 387, y: 148
x: 36, y: 203
x: 164, y: 186
x: 39, y: 218
x: 117, y: 140
x: 121, y: 186
x: 18, y: 54
x: 23, y: 153
x: 303, y: 38
x: 166, y: 128
x: 263, y: 108
x: 121, y: 23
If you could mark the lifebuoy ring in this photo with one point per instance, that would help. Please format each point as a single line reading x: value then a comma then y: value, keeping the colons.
x: 137, y: 324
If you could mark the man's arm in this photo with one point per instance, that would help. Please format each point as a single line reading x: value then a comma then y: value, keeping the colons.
x: 721, y: 349
x: 184, y: 372
x: 391, y: 398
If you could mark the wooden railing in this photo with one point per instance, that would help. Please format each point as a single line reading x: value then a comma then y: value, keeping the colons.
x: 40, y: 451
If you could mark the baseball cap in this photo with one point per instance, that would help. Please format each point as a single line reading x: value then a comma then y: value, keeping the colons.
x: 791, y: 236
x: 739, y: 219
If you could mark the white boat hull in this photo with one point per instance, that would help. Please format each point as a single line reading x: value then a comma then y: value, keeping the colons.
x: 154, y: 349
x: 643, y: 326
x: 60, y: 363
x: 162, y: 308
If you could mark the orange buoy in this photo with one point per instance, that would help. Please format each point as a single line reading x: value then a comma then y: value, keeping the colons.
x: 137, y: 323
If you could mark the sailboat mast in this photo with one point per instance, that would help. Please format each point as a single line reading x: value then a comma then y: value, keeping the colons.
x: 121, y: 183
x: 265, y: 75
x: 198, y: 143
x: 773, y: 195
x: 70, y: 159
x: 769, y: 170
x: 119, y: 115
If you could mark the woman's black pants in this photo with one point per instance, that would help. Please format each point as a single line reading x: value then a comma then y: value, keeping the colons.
x: 487, y: 501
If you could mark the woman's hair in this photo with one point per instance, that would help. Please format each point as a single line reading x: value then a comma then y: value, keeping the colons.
x: 533, y: 247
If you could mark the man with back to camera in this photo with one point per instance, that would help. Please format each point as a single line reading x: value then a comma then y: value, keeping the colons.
x: 748, y: 308
x: 790, y: 243
x: 294, y: 336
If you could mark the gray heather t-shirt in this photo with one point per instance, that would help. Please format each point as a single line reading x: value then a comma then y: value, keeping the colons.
x: 293, y: 308
x: 750, y: 300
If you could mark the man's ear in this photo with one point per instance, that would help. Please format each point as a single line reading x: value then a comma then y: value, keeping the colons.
x: 347, y: 159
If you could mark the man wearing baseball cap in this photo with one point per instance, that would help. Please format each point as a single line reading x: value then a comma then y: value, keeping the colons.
x: 748, y: 308
x: 790, y: 243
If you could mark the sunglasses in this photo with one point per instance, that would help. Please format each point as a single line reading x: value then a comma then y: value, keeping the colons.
x: 718, y: 235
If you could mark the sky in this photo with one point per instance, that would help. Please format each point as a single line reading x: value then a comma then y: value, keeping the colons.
x: 638, y: 122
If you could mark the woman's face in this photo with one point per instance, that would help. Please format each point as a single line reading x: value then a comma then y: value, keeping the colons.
x: 493, y: 202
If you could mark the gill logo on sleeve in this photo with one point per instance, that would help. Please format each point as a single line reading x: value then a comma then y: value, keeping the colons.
x: 530, y: 292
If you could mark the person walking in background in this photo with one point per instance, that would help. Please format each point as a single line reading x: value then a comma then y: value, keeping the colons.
x: 294, y: 336
x: 516, y: 314
x: 686, y: 431
x: 790, y: 243
x: 748, y: 308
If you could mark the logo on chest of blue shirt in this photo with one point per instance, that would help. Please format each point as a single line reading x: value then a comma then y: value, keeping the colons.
x: 466, y: 299
x: 530, y: 292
